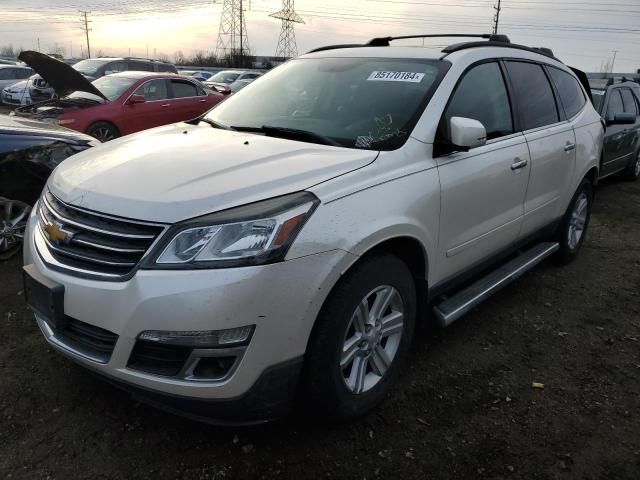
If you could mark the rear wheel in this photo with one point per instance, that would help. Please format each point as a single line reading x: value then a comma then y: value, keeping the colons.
x: 103, y: 131
x: 573, y: 229
x: 13, y: 221
x: 361, y: 339
x: 633, y: 169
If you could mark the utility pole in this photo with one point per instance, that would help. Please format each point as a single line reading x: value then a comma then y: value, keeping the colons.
x: 496, y: 18
x: 86, y: 29
x: 615, y: 52
x: 38, y: 43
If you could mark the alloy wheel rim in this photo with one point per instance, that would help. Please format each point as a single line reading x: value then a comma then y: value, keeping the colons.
x: 578, y: 221
x: 103, y: 134
x: 372, y: 339
x: 13, y: 221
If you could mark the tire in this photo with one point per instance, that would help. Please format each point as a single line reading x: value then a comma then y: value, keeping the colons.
x: 13, y: 221
x: 103, y: 131
x: 632, y: 171
x: 573, y: 229
x: 339, y: 393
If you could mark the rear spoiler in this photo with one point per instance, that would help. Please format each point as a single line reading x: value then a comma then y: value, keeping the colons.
x: 584, y: 81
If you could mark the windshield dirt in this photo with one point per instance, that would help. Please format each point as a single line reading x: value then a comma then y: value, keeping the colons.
x: 364, y: 103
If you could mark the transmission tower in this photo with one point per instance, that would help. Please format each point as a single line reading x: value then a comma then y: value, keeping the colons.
x: 233, y: 41
x: 287, y: 47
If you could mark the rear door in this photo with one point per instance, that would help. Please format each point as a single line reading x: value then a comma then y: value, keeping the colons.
x: 482, y: 190
x: 188, y: 100
x: 616, y: 151
x: 630, y: 144
x: 551, y: 143
x: 155, y: 111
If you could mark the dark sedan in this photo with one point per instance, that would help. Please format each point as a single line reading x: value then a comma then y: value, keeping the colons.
x: 29, y: 151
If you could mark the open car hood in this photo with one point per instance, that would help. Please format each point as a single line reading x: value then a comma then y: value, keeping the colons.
x: 63, y: 78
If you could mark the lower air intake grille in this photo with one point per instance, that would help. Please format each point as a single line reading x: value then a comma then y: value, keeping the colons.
x: 91, y: 241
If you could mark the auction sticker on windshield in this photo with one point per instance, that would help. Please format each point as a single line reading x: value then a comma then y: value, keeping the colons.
x: 386, y: 76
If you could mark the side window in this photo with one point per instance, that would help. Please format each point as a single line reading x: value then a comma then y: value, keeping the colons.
x: 6, y: 74
x: 116, y: 67
x: 628, y: 101
x: 24, y: 73
x: 482, y: 95
x: 534, y: 96
x: 615, y: 104
x: 153, y: 90
x: 141, y: 66
x: 569, y: 91
x: 249, y: 76
x: 183, y: 89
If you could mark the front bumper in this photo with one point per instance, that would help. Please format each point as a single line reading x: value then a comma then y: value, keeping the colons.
x: 282, y: 300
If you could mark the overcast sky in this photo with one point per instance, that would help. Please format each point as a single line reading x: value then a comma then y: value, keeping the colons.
x: 582, y: 33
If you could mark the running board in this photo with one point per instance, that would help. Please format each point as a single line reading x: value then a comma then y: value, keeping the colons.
x: 456, y: 306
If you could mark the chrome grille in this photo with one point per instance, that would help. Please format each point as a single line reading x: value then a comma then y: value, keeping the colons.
x: 93, y: 242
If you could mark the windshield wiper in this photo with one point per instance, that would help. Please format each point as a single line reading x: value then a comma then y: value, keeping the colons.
x: 214, y: 124
x: 291, y: 133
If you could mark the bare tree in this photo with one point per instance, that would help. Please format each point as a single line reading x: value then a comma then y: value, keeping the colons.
x: 178, y: 57
x: 7, y: 51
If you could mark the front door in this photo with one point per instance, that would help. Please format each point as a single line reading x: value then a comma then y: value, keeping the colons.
x: 482, y: 190
x: 155, y: 111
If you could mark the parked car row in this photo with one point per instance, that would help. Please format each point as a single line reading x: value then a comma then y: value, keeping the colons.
x: 285, y: 243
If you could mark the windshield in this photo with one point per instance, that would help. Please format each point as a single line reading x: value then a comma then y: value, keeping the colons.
x: 366, y: 103
x: 225, y: 77
x: 89, y: 67
x: 598, y: 97
x: 111, y: 87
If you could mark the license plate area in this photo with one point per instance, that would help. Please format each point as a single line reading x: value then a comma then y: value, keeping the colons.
x: 44, y: 296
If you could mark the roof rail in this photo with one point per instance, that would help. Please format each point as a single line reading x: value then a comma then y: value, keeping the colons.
x: 385, y: 41
x: 547, y: 52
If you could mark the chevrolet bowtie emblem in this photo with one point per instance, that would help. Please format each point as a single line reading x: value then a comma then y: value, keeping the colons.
x: 55, y: 233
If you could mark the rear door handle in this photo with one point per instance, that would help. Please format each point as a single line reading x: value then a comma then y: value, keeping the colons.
x: 166, y: 105
x: 202, y: 101
x: 518, y: 164
x: 569, y: 147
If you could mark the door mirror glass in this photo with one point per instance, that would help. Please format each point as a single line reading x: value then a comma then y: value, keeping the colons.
x: 622, y: 119
x: 467, y: 133
x: 136, y: 99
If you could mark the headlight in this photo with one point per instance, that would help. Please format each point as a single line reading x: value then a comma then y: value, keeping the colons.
x: 253, y: 234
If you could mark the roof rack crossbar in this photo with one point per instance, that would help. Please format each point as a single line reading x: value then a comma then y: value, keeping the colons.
x: 385, y: 41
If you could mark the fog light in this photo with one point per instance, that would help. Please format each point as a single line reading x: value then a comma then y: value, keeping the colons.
x: 199, y: 339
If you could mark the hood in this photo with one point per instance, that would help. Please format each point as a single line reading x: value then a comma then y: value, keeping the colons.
x: 63, y: 78
x: 181, y: 171
x: 20, y: 126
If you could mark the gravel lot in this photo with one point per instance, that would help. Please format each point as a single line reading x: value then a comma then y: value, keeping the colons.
x: 464, y: 409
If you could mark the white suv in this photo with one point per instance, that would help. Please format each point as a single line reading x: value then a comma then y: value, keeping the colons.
x: 289, y: 240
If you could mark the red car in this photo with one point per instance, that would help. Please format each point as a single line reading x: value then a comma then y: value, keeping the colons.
x: 118, y: 104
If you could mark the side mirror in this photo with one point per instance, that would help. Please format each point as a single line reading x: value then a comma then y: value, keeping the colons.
x: 136, y: 99
x: 467, y: 133
x: 622, y: 119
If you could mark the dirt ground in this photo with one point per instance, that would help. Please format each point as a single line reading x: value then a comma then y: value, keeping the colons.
x: 464, y: 409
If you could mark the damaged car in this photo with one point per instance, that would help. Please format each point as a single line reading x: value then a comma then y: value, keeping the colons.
x: 29, y: 151
x: 118, y: 104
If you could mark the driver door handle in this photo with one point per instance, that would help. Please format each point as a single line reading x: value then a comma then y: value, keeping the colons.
x: 166, y: 105
x: 518, y: 164
x: 569, y: 147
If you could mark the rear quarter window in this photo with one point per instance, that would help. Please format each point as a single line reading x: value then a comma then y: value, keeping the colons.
x: 569, y: 90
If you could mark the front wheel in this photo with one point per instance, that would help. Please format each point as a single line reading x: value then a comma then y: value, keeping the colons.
x: 360, y: 340
x: 573, y: 229
x: 103, y: 131
x: 13, y: 221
